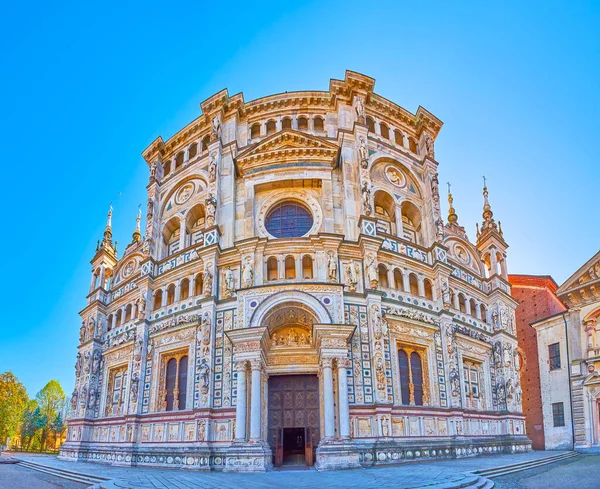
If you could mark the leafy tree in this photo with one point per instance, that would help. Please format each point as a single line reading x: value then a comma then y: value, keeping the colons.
x: 13, y: 402
x: 58, y: 427
x: 51, y: 401
x: 33, y: 422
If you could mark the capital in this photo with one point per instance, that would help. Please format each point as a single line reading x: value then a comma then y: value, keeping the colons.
x: 256, y: 364
x: 326, y: 363
x: 240, y: 365
x: 343, y: 362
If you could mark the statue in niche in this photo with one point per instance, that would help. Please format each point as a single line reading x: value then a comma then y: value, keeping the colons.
x: 207, y: 280
x: 517, y: 361
x: 360, y: 110
x: 82, y: 332
x: 212, y: 168
x: 92, y: 398
x: 247, y: 273
x: 331, y: 267
x: 229, y: 283
x: 153, y: 171
x: 91, y: 329
x: 204, y: 376
x: 86, y: 362
x: 201, y: 430
x: 137, y: 349
x: 495, y: 320
x: 439, y: 230
x: 366, y: 196
x: 141, y: 306
x: 96, y: 362
x: 446, y: 295
x: 371, y: 268
x: 74, y: 401
x: 351, y: 276
x: 135, y: 380
x: 363, y: 153
x: 211, y: 210
x: 507, y: 355
x: 150, y: 349
x: 216, y: 128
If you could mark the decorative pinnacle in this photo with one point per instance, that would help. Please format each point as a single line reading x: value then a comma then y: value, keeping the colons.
x: 137, y: 235
x: 108, y: 229
x: 452, y: 217
x: 488, y: 215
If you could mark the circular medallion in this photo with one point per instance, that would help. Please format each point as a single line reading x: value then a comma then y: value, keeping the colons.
x: 461, y: 254
x: 129, y: 268
x: 395, y: 176
x: 184, y: 193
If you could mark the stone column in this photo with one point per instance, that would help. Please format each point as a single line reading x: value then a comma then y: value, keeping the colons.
x: 405, y: 281
x: 164, y: 296
x: 468, y: 306
x: 343, y: 365
x: 421, y: 283
x: 192, y: 287
x: 590, y: 329
x: 178, y: 290
x: 255, y: 406
x: 240, y: 410
x: 182, y: 234
x: 326, y: 368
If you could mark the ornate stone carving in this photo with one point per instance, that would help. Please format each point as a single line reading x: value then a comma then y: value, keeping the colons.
x: 212, y: 167
x: 366, y: 198
x: 410, y: 313
x: 351, y: 275
x: 332, y: 267
x: 292, y: 337
x: 207, y: 280
x: 363, y: 153
x: 211, y: 210
x: 204, y: 376
x: 229, y: 283
x: 247, y: 273
x: 371, y: 271
x: 359, y: 107
x: 216, y: 128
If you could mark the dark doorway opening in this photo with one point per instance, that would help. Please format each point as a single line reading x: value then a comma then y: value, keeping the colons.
x: 293, y: 446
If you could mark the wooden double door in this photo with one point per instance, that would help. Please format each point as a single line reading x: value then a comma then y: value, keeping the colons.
x: 293, y: 418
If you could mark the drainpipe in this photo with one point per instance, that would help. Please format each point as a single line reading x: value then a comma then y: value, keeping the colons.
x: 569, y: 376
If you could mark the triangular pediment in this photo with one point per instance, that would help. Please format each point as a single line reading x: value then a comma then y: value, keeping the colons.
x: 285, y: 147
x: 574, y: 287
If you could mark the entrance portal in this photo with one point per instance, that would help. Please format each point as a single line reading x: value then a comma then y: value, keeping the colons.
x: 294, y: 419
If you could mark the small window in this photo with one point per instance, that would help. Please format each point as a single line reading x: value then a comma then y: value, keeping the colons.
x: 288, y: 220
x: 193, y: 150
x: 384, y: 131
x: 286, y: 123
x: 318, y: 124
x: 205, y: 143
x: 302, y: 124
x: 558, y: 414
x: 271, y: 127
x: 255, y: 131
x: 554, y: 356
x: 370, y: 125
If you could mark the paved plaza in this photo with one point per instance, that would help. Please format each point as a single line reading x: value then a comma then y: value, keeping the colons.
x: 406, y: 476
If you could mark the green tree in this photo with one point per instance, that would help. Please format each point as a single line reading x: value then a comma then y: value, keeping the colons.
x: 13, y: 402
x: 58, y: 428
x: 33, y: 422
x: 51, y: 401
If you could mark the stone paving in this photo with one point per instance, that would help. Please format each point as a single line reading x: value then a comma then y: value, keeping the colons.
x: 16, y: 477
x: 405, y: 476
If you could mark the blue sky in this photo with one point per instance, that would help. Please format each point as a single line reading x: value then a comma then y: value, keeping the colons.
x: 86, y: 86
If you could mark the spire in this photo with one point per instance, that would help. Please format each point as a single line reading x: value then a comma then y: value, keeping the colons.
x: 137, y: 235
x: 488, y: 215
x: 452, y: 217
x: 107, y: 243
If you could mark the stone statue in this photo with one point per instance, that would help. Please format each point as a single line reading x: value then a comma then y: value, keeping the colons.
x: 137, y: 349
x: 229, y: 283
x: 507, y: 355
x: 96, y: 362
x: 495, y: 319
x: 92, y: 398
x: 212, y: 168
x: 332, y: 267
x: 207, y: 280
x: 150, y: 349
x: 247, y: 273
x: 439, y: 230
x: 363, y: 153
x: 372, y: 275
x: 446, y: 295
x: 82, y: 332
x: 201, y: 431
x: 211, y: 210
x: 216, y: 128
x: 135, y: 380
x: 360, y: 110
x: 429, y: 145
x: 366, y: 196
x: 74, y: 401
x: 517, y: 360
x: 351, y: 276
x: 204, y: 376
x: 153, y: 171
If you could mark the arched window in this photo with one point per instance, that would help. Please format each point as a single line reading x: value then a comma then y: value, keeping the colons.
x: 255, y: 130
x: 179, y: 160
x: 412, y: 145
x: 307, y: 267
x: 290, y: 267
x: 157, y: 300
x: 192, y: 150
x: 413, y: 282
x: 398, y: 137
x: 107, y: 278
x: 462, y: 303
x: 383, y: 280
x: 184, y: 288
x: 483, y: 312
x: 198, y: 285
x: 473, y: 305
x: 384, y: 130
x: 286, y: 123
x: 272, y: 269
x: 109, y: 322
x: 398, y: 280
x: 119, y: 318
x: 170, y: 294
x: 271, y: 127
x: 302, y: 124
x: 171, y: 236
x: 428, y: 289
x: 385, y: 212
x: 288, y: 220
x: 166, y: 168
x: 487, y: 265
x: 318, y: 124
x: 175, y: 383
x: 128, y: 313
x: 205, y: 143
x: 371, y: 125
x: 411, y: 222
x: 417, y: 377
x: 195, y: 223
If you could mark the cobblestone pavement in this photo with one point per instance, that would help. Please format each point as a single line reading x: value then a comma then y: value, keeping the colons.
x: 576, y: 473
x: 405, y: 476
x: 13, y: 476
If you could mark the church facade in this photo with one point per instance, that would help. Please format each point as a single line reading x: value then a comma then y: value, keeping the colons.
x: 296, y: 297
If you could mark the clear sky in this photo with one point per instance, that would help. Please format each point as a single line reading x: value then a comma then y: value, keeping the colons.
x: 87, y: 86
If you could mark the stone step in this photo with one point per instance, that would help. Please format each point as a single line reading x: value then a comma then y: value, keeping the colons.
x: 510, y: 469
x: 63, y: 473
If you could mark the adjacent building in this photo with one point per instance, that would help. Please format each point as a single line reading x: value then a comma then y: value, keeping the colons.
x: 296, y: 297
x: 537, y: 300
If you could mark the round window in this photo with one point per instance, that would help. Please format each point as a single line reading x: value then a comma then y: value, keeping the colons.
x: 288, y: 220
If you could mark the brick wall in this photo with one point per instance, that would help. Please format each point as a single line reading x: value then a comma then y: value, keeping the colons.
x: 536, y: 301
